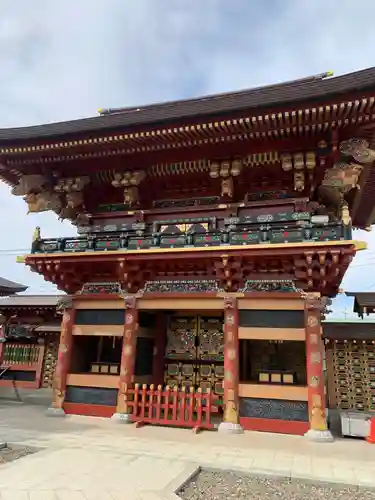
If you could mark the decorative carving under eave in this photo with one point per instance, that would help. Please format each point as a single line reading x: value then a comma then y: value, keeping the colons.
x: 29, y: 184
x: 300, y: 162
x: 269, y: 286
x: 74, y: 199
x: 182, y: 286
x: 345, y: 215
x: 42, y: 202
x: 113, y: 287
x: 314, y: 302
x: 343, y: 176
x: 64, y: 303
x: 230, y: 273
x: 230, y: 302
x: 71, y: 184
x: 226, y: 170
x: 299, y: 181
x: 130, y: 181
x: 359, y: 149
x: 130, y: 301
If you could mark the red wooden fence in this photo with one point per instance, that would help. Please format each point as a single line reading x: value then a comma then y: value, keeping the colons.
x: 177, y: 407
x: 18, y: 357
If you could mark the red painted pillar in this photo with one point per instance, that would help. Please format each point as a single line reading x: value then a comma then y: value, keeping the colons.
x: 159, y: 350
x: 127, y: 365
x: 230, y: 422
x: 63, y: 359
x: 314, y: 369
x: 2, y: 343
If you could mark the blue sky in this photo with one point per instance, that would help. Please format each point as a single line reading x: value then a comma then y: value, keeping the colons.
x: 64, y: 60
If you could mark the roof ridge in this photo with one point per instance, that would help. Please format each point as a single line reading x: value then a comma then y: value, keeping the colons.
x: 206, y: 97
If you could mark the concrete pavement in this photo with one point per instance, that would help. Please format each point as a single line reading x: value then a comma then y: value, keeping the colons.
x: 89, y: 458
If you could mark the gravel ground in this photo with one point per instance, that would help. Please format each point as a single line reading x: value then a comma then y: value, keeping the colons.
x: 221, y: 485
x: 14, y: 452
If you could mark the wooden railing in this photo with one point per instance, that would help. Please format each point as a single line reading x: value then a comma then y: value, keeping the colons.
x: 235, y: 232
x: 177, y: 407
x: 19, y: 354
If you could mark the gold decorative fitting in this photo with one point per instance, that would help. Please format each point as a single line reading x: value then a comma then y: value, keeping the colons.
x: 286, y: 162
x: 298, y: 161
x: 214, y: 170
x: 227, y: 187
x: 345, y: 216
x: 310, y: 160
x: 128, y: 178
x: 236, y: 167
x: 299, y: 181
x: 225, y: 169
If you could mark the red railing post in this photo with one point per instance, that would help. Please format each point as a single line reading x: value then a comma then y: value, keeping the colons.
x: 198, y: 422
x: 166, y: 403
x: 191, y: 405
x: 136, y: 400
x: 158, y: 403
x: 182, y: 415
x: 175, y: 403
x: 143, y: 401
x: 150, y: 404
x: 208, y: 407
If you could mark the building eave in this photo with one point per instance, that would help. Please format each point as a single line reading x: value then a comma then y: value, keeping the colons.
x: 297, y: 91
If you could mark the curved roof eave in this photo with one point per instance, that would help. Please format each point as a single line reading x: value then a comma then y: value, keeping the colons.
x: 305, y: 89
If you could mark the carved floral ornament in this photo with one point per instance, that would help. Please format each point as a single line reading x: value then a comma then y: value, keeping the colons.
x: 64, y: 303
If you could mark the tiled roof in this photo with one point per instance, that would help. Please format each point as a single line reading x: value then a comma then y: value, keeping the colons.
x: 10, y: 287
x: 30, y: 301
x: 302, y: 90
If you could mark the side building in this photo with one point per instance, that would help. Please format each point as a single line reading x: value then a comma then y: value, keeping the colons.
x: 350, y: 358
x: 211, y: 234
x: 31, y: 332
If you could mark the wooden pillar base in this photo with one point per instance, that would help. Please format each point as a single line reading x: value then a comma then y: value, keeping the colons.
x: 230, y: 428
x: 55, y: 412
x: 319, y: 436
x: 122, y: 418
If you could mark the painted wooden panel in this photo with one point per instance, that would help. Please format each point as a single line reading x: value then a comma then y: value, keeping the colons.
x: 248, y: 332
x: 274, y: 409
x: 272, y: 319
x: 91, y: 395
x: 272, y: 391
x: 100, y: 317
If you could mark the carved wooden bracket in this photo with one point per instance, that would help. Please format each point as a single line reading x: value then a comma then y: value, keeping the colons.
x: 230, y: 302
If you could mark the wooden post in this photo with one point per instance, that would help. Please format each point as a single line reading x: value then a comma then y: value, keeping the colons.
x: 231, y: 423
x: 314, y: 367
x: 64, y: 356
x: 129, y: 345
x: 159, y: 349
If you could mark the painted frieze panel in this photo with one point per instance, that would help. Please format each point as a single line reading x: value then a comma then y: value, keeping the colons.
x: 274, y: 409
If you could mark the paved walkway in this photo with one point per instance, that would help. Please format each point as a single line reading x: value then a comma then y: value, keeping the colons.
x: 88, y: 458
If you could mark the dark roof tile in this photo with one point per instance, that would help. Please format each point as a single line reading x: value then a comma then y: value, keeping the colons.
x: 272, y: 95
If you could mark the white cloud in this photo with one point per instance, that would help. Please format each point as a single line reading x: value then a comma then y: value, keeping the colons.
x: 63, y: 60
